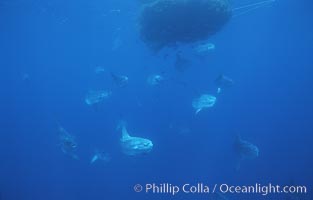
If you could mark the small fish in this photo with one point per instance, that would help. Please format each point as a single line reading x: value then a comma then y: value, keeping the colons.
x: 204, y: 101
x: 133, y: 146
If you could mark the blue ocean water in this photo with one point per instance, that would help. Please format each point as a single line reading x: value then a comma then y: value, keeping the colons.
x: 49, y: 51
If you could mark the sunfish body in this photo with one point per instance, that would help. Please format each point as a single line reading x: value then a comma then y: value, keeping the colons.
x: 120, y: 80
x: 68, y: 143
x: 95, y: 97
x: 245, y: 150
x: 134, y: 146
x: 155, y: 79
x: 101, y: 157
x: 204, y: 101
x: 99, y: 70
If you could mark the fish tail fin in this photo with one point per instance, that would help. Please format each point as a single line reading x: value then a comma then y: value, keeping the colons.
x: 120, y: 125
x: 59, y: 126
x: 95, y: 156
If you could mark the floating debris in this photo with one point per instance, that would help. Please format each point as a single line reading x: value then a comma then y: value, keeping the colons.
x: 133, y: 146
x: 95, y: 97
x: 204, y: 101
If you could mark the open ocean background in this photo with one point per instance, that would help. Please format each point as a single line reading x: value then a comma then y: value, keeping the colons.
x: 49, y: 51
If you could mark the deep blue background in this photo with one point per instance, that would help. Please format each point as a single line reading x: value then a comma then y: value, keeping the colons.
x: 268, y: 53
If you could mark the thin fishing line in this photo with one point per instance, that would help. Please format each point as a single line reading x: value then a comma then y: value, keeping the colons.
x: 254, y: 4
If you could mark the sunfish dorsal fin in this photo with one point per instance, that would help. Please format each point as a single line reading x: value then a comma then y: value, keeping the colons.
x: 94, y: 158
x: 125, y: 134
x: 122, y: 126
x: 198, y: 110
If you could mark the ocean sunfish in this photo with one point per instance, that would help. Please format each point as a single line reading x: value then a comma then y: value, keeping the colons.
x: 205, y: 48
x: 119, y: 80
x: 155, y: 79
x: 204, y: 101
x: 222, y: 82
x: 100, y: 156
x: 181, y: 63
x: 133, y: 146
x: 245, y: 150
x: 68, y: 143
x: 99, y: 70
x: 96, y: 96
